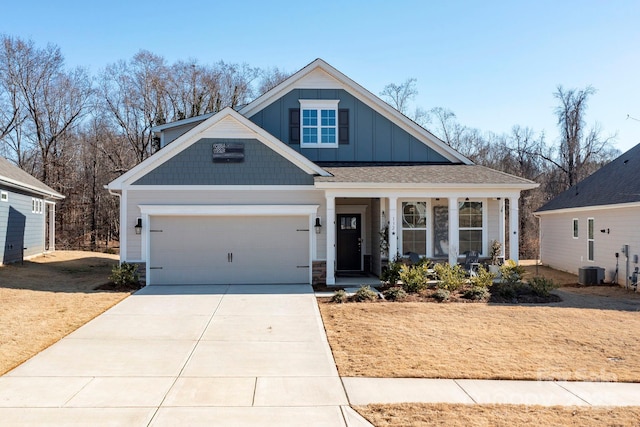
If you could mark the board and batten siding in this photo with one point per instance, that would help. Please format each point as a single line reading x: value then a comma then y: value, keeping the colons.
x: 218, y: 197
x: 20, y: 227
x: 372, y: 137
x: 561, y: 251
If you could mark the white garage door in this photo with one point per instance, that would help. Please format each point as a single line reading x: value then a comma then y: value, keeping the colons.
x: 228, y: 249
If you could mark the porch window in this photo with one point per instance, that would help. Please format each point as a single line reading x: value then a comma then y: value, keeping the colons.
x: 470, y: 223
x: 414, y: 227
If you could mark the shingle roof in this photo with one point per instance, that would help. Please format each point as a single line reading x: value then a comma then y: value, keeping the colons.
x: 616, y: 182
x: 423, y: 174
x: 15, y: 177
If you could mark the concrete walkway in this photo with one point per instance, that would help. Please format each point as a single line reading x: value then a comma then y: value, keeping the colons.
x: 187, y: 355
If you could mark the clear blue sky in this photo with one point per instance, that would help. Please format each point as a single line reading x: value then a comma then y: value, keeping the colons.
x: 494, y: 63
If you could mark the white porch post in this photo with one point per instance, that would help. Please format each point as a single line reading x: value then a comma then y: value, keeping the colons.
x: 501, y: 225
x: 331, y: 240
x: 513, y: 229
x: 393, y: 228
x: 454, y: 232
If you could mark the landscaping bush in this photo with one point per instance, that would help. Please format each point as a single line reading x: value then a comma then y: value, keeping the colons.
x: 339, y: 297
x: 441, y: 295
x: 541, y: 286
x: 483, y: 278
x: 451, y: 277
x: 414, y: 278
x: 476, y: 293
x: 394, y: 294
x: 125, y: 274
x: 511, y: 272
x: 507, y: 291
x: 365, y: 293
x: 392, y: 273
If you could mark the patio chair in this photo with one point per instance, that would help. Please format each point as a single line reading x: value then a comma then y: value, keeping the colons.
x: 471, y: 262
x: 413, y: 257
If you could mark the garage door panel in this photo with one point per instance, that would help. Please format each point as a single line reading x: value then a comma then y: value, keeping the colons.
x: 203, y: 250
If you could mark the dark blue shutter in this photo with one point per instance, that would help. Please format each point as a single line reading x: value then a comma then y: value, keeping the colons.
x: 343, y: 126
x: 294, y: 126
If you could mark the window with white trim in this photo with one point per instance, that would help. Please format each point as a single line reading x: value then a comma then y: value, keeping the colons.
x: 318, y: 123
x: 414, y: 227
x: 575, y: 228
x: 36, y: 206
x: 4, y: 196
x: 590, y: 240
x: 470, y: 217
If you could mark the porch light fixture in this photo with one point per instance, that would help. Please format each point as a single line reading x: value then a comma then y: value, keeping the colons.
x: 138, y: 226
x: 318, y: 226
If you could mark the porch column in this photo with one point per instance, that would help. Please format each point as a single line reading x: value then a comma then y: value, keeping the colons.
x: 501, y: 225
x: 331, y: 240
x: 514, y: 225
x: 454, y: 232
x: 393, y: 228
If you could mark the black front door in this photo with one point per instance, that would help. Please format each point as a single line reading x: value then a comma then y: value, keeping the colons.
x: 349, y: 244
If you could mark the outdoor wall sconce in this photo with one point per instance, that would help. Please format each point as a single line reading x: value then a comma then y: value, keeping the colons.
x: 138, y: 226
x: 318, y: 226
x: 605, y: 230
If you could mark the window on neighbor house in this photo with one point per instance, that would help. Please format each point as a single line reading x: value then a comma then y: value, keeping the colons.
x: 414, y: 227
x: 36, y: 206
x: 575, y: 228
x: 470, y: 226
x: 4, y: 196
x: 590, y: 240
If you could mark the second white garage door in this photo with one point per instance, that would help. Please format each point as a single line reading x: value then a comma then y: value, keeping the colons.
x: 228, y: 249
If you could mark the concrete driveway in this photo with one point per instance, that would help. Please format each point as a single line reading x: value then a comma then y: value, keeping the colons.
x: 187, y: 355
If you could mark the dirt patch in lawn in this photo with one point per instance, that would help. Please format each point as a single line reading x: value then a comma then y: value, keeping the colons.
x: 560, y: 341
x: 414, y: 415
x: 49, y: 297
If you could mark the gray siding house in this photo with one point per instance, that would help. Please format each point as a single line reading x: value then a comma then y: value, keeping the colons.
x: 591, y: 222
x: 27, y: 214
x: 316, y: 178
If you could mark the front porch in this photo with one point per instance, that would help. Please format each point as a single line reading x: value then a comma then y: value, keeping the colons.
x: 363, y: 233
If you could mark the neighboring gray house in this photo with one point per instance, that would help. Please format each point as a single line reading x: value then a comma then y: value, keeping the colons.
x: 27, y: 214
x: 592, y: 221
x: 297, y: 186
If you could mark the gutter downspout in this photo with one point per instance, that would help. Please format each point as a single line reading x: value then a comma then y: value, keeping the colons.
x: 119, y: 195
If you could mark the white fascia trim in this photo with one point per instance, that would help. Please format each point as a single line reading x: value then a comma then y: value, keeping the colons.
x: 422, y: 193
x: 363, y: 95
x: 182, y: 122
x: 224, y: 210
x: 221, y: 187
x: 193, y: 135
x: 399, y: 186
x: 589, y: 208
x: 22, y: 186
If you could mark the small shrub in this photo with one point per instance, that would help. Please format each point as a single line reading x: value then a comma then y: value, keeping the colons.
x: 365, y: 293
x: 125, y: 274
x: 506, y: 290
x: 451, y: 277
x: 392, y: 274
x: 339, y: 297
x: 441, y: 295
x: 414, y: 278
x: 476, y: 293
x: 541, y: 286
x: 483, y: 278
x: 394, y: 294
x: 511, y: 272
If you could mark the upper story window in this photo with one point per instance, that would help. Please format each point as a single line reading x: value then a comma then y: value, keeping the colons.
x: 318, y: 123
x: 4, y: 196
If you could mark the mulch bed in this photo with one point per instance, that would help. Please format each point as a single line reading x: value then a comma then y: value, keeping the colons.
x: 119, y: 288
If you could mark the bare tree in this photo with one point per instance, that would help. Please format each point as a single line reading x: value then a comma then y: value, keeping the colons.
x: 271, y: 78
x: 399, y: 96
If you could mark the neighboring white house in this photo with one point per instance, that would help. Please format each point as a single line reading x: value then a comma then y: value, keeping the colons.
x: 591, y: 222
x: 297, y: 186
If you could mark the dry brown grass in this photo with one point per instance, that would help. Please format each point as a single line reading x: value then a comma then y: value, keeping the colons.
x: 414, y: 415
x: 591, y: 335
x: 49, y: 297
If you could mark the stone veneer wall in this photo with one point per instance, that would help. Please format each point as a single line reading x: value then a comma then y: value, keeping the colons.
x: 319, y: 272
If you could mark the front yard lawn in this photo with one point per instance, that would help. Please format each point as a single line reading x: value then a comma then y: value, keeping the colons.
x: 49, y: 297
